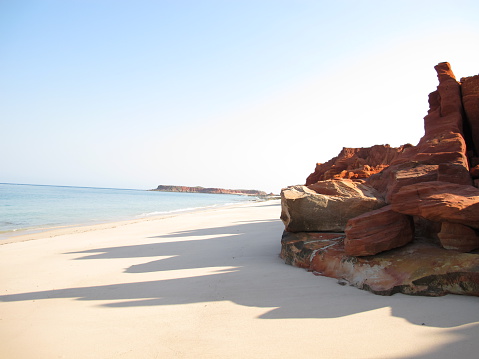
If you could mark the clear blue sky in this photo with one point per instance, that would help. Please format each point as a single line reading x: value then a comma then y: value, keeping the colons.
x: 234, y: 94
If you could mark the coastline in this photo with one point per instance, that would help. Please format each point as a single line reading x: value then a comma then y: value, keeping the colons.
x: 208, y: 284
x: 55, y: 231
x: 28, y: 209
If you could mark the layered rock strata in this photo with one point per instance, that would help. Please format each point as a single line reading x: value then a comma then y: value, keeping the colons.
x: 377, y: 231
x: 440, y: 155
x: 419, y: 268
x: 356, y: 163
x: 439, y: 202
x: 425, y: 215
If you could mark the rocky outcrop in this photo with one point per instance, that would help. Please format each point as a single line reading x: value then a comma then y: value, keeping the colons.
x: 419, y: 268
x: 377, y: 231
x: 439, y: 202
x: 440, y: 155
x: 356, y: 163
x: 247, y: 192
x: 305, y: 210
x: 418, y: 242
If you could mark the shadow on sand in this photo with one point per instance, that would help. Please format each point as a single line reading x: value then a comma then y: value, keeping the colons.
x: 255, y: 276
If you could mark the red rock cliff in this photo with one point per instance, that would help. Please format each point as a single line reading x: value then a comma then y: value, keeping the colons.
x: 356, y: 163
x: 428, y: 206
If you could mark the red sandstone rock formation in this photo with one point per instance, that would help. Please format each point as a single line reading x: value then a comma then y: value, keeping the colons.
x: 458, y: 237
x: 419, y: 268
x: 377, y: 231
x: 439, y: 202
x: 356, y: 163
x: 441, y: 153
x: 429, y: 187
x: 343, y: 188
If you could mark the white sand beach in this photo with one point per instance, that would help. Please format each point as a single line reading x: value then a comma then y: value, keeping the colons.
x: 208, y: 284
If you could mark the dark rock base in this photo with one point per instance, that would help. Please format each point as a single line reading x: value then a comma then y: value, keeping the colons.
x: 419, y: 268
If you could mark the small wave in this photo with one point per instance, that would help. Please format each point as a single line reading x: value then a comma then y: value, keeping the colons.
x: 9, y: 230
x: 189, y: 209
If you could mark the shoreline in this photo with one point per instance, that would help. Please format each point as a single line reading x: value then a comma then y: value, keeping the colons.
x: 96, y: 205
x: 50, y: 232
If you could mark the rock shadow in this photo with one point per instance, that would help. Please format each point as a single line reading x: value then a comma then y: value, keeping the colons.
x: 250, y: 273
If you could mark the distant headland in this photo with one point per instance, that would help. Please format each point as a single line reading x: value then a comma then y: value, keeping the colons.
x: 198, y: 189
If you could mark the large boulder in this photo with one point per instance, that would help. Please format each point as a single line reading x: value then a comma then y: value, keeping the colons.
x: 377, y: 231
x: 418, y: 268
x: 458, y: 237
x: 440, y: 202
x: 306, y: 210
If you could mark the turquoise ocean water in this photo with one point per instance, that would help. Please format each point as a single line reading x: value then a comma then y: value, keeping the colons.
x: 37, y: 207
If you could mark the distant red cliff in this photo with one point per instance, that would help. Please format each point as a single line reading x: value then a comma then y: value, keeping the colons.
x: 198, y: 189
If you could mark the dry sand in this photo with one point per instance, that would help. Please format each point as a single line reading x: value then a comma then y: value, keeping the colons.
x: 206, y: 285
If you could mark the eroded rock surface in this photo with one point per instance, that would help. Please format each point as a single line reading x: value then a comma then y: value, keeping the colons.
x: 439, y: 202
x: 305, y: 210
x: 418, y: 242
x: 440, y: 155
x: 356, y: 163
x: 377, y: 231
x: 419, y: 268
x: 458, y: 237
